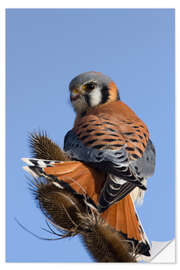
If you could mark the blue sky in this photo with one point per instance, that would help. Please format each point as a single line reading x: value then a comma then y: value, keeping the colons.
x: 45, y: 49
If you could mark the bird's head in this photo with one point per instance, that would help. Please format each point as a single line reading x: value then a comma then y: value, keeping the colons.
x: 91, y: 89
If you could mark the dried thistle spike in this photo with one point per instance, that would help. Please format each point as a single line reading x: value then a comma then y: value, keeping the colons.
x: 44, y: 148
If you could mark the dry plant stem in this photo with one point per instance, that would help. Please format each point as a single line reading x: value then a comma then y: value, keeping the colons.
x: 102, y: 242
x: 106, y: 245
x: 44, y: 148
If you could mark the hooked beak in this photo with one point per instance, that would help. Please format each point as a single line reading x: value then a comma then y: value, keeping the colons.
x: 75, y: 94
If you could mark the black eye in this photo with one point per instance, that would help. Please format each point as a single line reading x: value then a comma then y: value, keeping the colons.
x: 90, y: 86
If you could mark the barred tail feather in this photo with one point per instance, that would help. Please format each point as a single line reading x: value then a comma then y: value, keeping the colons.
x: 121, y: 216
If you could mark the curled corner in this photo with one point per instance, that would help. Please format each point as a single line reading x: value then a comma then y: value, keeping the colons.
x: 161, y: 252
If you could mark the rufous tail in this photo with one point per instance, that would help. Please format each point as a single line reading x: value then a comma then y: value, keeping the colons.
x: 84, y: 180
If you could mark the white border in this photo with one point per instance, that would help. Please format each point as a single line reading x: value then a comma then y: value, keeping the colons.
x: 69, y: 4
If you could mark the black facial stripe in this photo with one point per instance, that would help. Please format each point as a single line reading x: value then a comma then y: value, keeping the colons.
x: 87, y: 99
x: 105, y: 94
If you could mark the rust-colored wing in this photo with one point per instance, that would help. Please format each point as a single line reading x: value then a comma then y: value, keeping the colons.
x: 111, y: 138
x: 112, y: 126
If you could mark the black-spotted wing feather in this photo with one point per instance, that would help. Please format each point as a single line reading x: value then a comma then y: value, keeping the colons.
x: 102, y: 143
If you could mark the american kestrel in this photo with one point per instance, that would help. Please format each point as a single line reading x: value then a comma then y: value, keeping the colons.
x: 111, y: 155
x: 109, y: 136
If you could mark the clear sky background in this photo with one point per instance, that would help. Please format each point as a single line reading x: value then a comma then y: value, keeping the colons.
x: 45, y: 50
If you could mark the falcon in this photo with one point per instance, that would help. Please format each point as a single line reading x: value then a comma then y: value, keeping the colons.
x: 109, y: 136
x: 110, y: 155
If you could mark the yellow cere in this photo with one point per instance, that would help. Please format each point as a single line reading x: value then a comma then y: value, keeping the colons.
x: 75, y: 91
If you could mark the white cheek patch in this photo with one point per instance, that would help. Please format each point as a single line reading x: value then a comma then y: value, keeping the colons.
x: 95, y: 97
